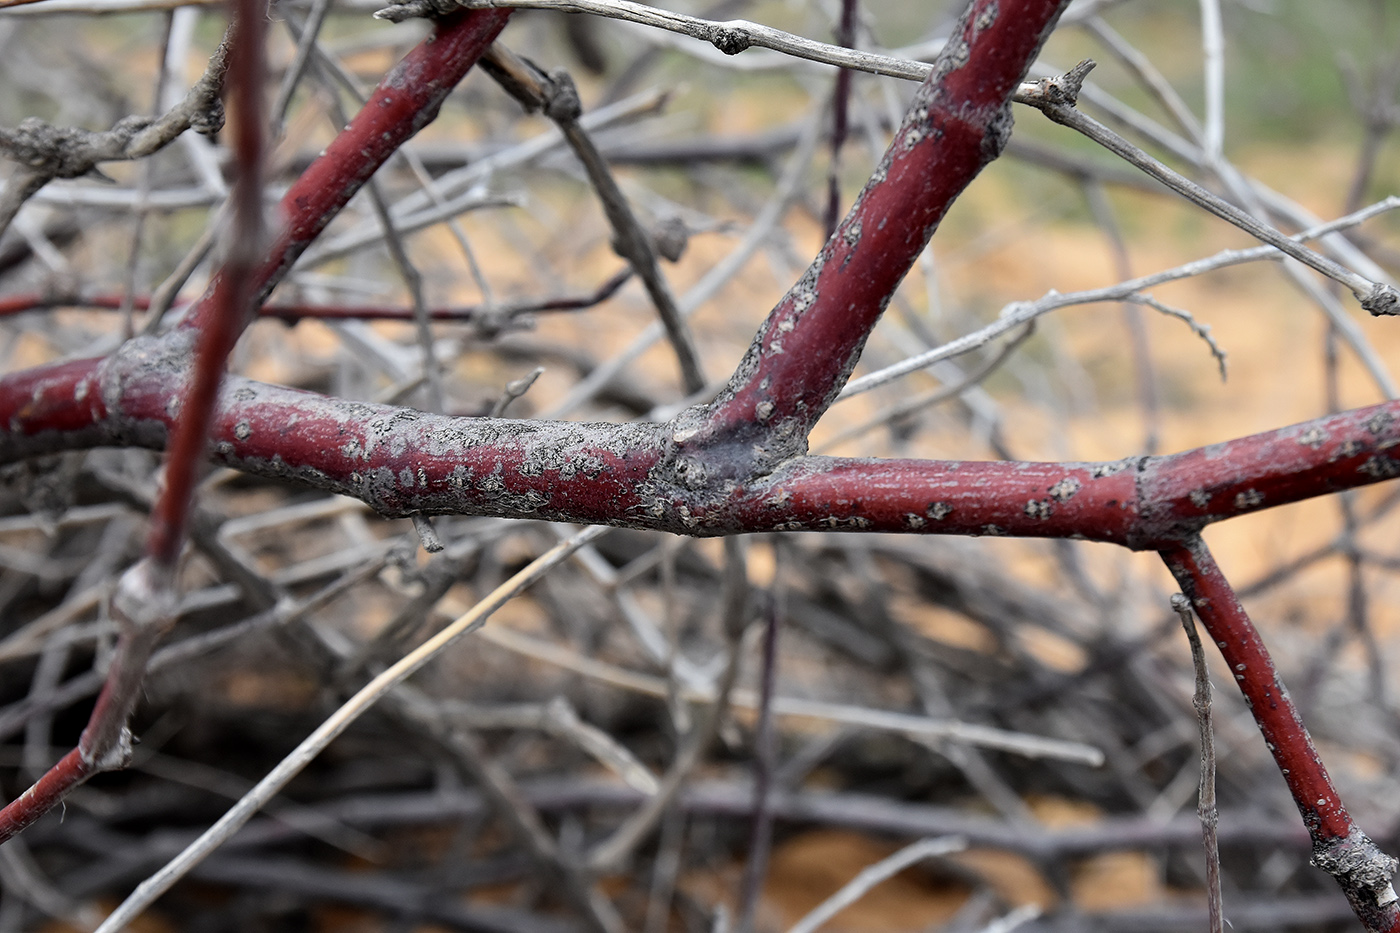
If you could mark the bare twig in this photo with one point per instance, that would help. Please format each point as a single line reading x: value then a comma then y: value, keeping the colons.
x: 1056, y: 97
x: 1206, y: 809
x: 47, y: 152
x: 556, y: 95
x: 869, y: 877
x: 312, y: 745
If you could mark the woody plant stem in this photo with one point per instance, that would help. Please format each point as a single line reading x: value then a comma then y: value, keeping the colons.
x: 739, y: 464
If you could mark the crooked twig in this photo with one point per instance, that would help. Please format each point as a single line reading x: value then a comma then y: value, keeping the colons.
x: 556, y: 96
x: 1056, y: 98
x: 1205, y: 807
x: 46, y: 152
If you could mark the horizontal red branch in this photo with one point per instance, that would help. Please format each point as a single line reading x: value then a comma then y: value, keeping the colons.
x: 645, y: 475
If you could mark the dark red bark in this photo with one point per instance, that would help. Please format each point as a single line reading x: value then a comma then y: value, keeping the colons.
x: 959, y: 121
x: 1339, y: 847
x: 738, y: 465
x: 406, y: 100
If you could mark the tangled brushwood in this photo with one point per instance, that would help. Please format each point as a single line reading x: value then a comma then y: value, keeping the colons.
x: 297, y: 633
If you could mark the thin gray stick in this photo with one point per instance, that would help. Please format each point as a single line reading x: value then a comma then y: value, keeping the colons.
x: 1018, y: 313
x: 292, y: 765
x: 788, y: 189
x: 306, y: 44
x: 557, y: 97
x: 1056, y: 97
x: 1205, y: 808
x: 731, y: 37
x: 872, y: 875
x: 1213, y: 55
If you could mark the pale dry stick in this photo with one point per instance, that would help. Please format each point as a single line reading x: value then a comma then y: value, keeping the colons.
x: 1086, y: 9
x: 765, y: 754
x: 18, y: 8
x: 23, y: 641
x: 306, y: 44
x: 165, y: 294
x: 730, y: 37
x: 612, y: 852
x: 335, y: 70
x: 1056, y: 97
x: 665, y: 870
x: 408, y: 272
x: 1339, y: 247
x: 453, y: 183
x: 1011, y: 921
x: 413, y: 281
x: 1213, y: 64
x: 932, y: 397
x: 305, y: 820
x: 788, y: 189
x: 1018, y: 313
x: 644, y: 628
x: 358, y: 238
x: 1019, y: 743
x: 1149, y: 398
x: 292, y: 765
x: 872, y: 875
x: 1205, y: 807
x: 512, y: 806
x: 173, y: 51
x: 558, y: 718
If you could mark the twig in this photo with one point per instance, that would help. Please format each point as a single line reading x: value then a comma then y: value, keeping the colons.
x: 765, y: 762
x: 840, y: 107
x: 47, y: 152
x: 514, y: 390
x: 1017, y: 313
x: 613, y: 851
x: 1213, y: 61
x: 145, y: 600
x: 292, y: 765
x: 557, y: 97
x: 1340, y: 848
x: 731, y: 37
x: 1020, y: 743
x: 1205, y: 808
x: 872, y: 875
x: 1056, y: 97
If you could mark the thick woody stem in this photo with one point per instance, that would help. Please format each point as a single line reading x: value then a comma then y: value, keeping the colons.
x: 1339, y: 847
x: 402, y: 462
x: 959, y: 121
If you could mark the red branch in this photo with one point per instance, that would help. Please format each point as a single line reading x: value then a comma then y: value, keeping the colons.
x: 738, y: 465
x: 959, y: 121
x: 402, y: 462
x: 1339, y: 847
x: 291, y: 313
x: 192, y: 359
x: 404, y: 102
